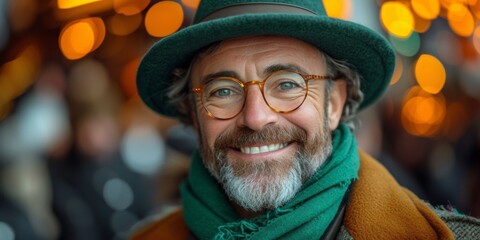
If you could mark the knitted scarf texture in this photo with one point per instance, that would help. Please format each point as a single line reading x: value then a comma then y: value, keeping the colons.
x: 209, y: 215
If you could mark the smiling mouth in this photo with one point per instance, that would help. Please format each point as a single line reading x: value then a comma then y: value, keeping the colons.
x: 263, y: 149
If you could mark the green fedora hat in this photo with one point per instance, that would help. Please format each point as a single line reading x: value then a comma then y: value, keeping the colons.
x: 215, y: 20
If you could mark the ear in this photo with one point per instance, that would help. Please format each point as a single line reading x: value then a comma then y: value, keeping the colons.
x: 338, y: 96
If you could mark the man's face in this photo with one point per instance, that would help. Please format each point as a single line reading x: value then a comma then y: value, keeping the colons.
x: 262, y: 157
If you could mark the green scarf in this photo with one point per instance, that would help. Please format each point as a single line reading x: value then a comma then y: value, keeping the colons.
x: 209, y: 215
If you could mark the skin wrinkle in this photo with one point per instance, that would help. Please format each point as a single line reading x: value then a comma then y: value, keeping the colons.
x: 181, y: 96
x: 259, y: 183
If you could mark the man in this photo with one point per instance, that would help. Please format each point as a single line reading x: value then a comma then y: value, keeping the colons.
x: 270, y: 87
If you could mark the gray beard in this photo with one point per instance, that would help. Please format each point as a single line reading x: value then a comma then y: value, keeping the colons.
x: 263, y: 188
x: 256, y: 193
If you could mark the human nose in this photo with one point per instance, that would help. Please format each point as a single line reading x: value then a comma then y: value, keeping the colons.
x: 256, y: 114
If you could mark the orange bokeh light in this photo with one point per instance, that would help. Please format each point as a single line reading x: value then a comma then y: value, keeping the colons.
x: 447, y: 3
x: 193, y: 4
x: 423, y: 113
x: 338, y: 8
x: 164, y: 18
x: 17, y: 75
x: 421, y: 24
x: 66, y: 4
x: 81, y: 37
x: 130, y: 7
x: 460, y: 19
x: 98, y: 27
x: 476, y: 9
x: 397, y: 73
x: 472, y: 2
x: 397, y: 19
x: 427, y: 9
x: 430, y: 73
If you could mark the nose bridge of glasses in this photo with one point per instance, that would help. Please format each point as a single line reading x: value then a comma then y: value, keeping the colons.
x: 254, y: 82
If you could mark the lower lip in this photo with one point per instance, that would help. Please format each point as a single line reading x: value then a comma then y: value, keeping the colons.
x: 273, y: 154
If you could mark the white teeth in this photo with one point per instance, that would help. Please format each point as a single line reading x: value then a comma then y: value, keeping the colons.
x: 263, y: 149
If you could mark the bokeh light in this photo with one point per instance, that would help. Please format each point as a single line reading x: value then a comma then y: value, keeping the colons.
x: 427, y: 9
x: 164, y: 18
x: 42, y: 121
x: 430, y: 73
x: 193, y: 4
x: 89, y: 125
x: 17, y: 75
x: 421, y: 24
x: 338, y: 8
x: 81, y: 37
x: 447, y: 3
x: 398, y: 72
x: 406, y: 46
x: 397, y: 19
x: 118, y: 194
x: 471, y: 2
x: 6, y: 231
x: 476, y: 39
x: 130, y: 7
x: 143, y: 149
x: 66, y: 4
x: 423, y: 113
x: 476, y: 9
x: 460, y: 19
x: 122, y: 25
x: 98, y: 27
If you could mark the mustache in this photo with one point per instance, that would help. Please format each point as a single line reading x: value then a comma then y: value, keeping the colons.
x: 242, y: 137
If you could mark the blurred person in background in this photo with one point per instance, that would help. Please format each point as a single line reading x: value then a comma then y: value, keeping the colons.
x: 279, y: 160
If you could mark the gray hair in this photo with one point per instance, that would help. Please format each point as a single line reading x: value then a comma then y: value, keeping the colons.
x: 182, y: 98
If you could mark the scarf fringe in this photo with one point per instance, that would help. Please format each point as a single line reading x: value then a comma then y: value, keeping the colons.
x: 246, y: 228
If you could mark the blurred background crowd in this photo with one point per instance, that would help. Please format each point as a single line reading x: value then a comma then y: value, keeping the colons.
x: 82, y: 158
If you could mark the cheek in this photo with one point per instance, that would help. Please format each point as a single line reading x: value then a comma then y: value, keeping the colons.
x: 309, y: 116
x: 211, y: 129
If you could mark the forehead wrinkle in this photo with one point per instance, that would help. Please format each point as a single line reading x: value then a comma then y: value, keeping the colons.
x: 256, y: 54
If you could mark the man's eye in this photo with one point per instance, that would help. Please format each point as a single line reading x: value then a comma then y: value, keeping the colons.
x: 287, y: 85
x: 222, y: 92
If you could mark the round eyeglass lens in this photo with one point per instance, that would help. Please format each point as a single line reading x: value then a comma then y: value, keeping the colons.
x: 285, y: 91
x: 223, y: 98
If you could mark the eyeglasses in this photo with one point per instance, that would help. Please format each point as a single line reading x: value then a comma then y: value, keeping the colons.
x: 284, y: 91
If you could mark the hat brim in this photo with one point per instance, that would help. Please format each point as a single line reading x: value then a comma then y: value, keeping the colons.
x: 366, y: 50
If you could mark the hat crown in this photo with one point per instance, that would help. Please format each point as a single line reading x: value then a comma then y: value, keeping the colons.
x: 208, y: 7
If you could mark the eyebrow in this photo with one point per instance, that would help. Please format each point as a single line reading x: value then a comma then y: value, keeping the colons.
x: 211, y: 76
x: 279, y: 67
x: 268, y: 70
